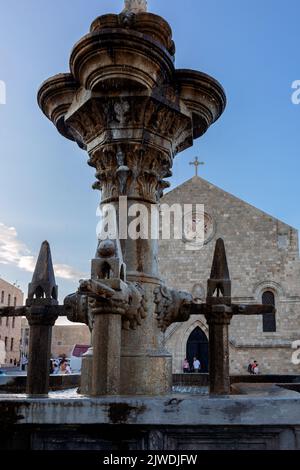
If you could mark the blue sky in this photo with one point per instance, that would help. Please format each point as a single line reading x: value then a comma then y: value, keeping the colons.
x: 251, y: 47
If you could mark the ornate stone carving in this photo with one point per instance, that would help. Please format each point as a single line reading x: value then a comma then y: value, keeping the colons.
x: 137, y: 307
x: 125, y: 103
x: 95, y: 297
x: 109, y: 120
x: 107, y: 291
x: 127, y: 19
x: 116, y: 72
x: 76, y: 308
x: 169, y: 306
x: 131, y: 170
x: 136, y: 6
x: 156, y: 440
x: 122, y: 172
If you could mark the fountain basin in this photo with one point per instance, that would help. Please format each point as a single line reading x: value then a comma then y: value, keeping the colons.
x: 65, y: 421
x: 17, y: 383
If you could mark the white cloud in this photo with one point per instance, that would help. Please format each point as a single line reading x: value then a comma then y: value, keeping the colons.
x: 11, y: 249
x: 14, y: 252
x: 26, y: 262
x: 67, y: 272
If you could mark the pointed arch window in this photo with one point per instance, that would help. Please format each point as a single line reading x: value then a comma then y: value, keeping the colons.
x: 269, y: 319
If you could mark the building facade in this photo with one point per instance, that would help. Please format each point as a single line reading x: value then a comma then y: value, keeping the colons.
x: 264, y: 265
x: 64, y: 338
x: 10, y: 327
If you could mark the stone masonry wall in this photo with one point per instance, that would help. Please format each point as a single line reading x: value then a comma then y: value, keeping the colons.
x: 262, y: 254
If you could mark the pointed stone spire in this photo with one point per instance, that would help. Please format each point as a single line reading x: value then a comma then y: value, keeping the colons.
x: 135, y: 6
x: 219, y: 284
x: 43, y: 289
x: 219, y: 268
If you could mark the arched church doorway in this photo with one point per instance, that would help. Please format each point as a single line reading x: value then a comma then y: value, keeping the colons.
x: 197, y: 346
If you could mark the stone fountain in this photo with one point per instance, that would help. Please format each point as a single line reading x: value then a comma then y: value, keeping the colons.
x: 132, y: 111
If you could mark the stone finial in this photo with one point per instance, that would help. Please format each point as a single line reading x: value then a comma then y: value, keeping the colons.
x: 43, y: 288
x: 219, y: 284
x: 136, y: 6
x: 220, y: 267
x: 108, y: 263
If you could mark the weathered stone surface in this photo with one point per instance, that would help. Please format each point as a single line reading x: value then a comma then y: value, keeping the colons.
x: 125, y: 103
x: 41, y: 311
x: 41, y: 316
x: 17, y: 383
x: 153, y: 438
x: 174, y: 306
x: 176, y: 409
x: 106, y: 355
x: 86, y: 378
x: 262, y: 254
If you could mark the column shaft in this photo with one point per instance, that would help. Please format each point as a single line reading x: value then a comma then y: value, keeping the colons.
x: 219, y: 359
x: 39, y: 360
x: 106, y: 354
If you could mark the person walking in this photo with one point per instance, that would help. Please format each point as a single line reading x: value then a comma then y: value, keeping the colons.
x: 196, y: 365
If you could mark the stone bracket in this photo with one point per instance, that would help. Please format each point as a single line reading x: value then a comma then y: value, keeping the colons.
x: 96, y: 297
x: 171, y: 306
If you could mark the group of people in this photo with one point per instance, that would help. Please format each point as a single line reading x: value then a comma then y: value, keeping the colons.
x: 60, y: 366
x: 196, y: 367
x: 253, y: 368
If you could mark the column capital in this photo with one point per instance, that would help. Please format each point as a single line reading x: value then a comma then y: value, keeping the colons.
x: 42, y: 315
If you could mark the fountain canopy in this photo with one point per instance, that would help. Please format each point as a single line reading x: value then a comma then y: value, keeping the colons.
x: 123, y: 85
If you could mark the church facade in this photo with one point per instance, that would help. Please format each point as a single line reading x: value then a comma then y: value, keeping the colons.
x: 264, y: 266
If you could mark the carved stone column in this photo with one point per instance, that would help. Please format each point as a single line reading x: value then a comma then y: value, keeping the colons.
x: 106, y: 354
x: 106, y: 339
x: 126, y: 104
x: 138, y: 172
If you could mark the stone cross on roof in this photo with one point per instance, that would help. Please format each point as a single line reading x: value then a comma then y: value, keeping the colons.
x: 136, y: 6
x: 196, y: 164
